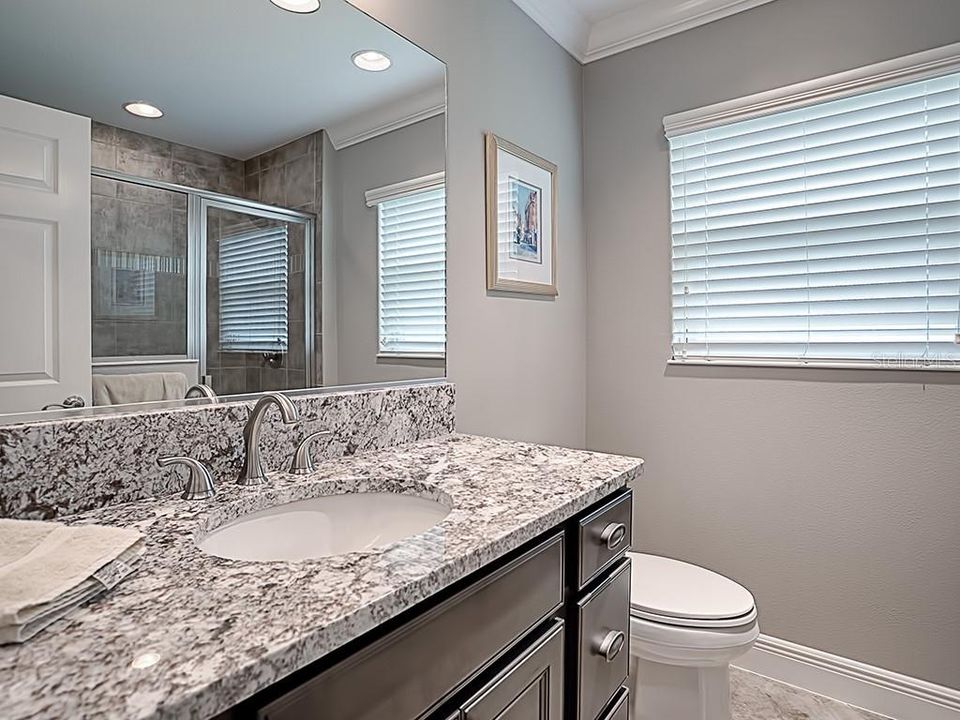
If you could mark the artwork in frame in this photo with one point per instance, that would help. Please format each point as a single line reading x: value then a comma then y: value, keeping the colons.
x: 521, y: 219
x: 125, y: 284
x: 125, y: 293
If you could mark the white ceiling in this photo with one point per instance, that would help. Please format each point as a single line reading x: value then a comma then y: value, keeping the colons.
x: 594, y: 29
x: 236, y: 77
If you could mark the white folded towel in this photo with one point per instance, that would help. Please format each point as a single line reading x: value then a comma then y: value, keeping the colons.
x: 48, y: 569
x: 138, y: 387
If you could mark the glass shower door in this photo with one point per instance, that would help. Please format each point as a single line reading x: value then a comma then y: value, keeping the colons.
x: 258, y: 297
x: 139, y: 238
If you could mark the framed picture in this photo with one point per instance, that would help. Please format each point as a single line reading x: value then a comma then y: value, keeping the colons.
x: 125, y: 283
x: 521, y: 220
x: 126, y: 293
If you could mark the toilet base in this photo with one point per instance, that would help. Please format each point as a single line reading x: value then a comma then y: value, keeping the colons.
x: 663, y: 691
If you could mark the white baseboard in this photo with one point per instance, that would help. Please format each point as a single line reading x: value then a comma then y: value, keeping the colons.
x: 881, y: 691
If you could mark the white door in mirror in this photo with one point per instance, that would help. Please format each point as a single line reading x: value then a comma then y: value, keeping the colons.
x: 45, y: 246
x: 324, y: 526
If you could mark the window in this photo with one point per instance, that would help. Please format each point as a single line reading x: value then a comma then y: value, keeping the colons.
x: 822, y: 233
x: 411, y: 222
x: 253, y: 290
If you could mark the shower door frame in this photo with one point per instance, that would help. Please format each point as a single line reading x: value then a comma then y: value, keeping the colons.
x: 198, y: 203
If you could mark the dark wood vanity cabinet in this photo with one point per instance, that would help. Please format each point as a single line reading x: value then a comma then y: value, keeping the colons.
x: 529, y: 688
x: 542, y: 634
x: 412, y: 669
x: 599, y: 615
x: 603, y: 642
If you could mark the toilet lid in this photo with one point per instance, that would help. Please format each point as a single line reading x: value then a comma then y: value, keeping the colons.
x: 671, y: 591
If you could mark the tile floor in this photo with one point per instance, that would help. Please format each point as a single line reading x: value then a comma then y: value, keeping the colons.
x: 754, y: 697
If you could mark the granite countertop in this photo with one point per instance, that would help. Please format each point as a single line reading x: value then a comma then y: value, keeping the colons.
x: 191, y: 635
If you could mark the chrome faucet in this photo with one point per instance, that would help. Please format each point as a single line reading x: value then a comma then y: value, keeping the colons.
x: 253, y: 472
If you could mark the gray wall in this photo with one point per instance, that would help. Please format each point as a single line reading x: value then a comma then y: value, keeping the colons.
x: 835, y: 496
x: 329, y: 325
x: 504, y: 74
x: 404, y: 154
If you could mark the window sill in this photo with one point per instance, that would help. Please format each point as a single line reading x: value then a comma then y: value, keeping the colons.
x: 141, y: 360
x: 887, y: 365
x: 410, y: 356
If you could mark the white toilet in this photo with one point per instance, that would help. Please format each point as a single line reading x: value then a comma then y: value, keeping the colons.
x: 686, y: 625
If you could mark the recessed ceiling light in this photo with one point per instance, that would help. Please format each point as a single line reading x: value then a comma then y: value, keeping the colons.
x: 298, y: 6
x: 143, y: 109
x: 372, y: 60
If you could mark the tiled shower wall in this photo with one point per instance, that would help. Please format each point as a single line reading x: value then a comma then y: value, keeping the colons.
x: 138, y: 227
x: 156, y: 159
x: 139, y: 247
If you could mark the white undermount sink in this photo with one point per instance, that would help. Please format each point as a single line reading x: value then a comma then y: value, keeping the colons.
x: 324, y: 526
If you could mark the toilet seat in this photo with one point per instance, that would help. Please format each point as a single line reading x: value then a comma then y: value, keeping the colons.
x: 671, y: 592
x: 696, y: 622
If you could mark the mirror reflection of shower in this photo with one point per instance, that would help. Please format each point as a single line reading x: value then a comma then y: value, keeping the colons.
x: 217, y: 286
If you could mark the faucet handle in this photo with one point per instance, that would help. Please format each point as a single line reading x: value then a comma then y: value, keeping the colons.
x: 302, y: 463
x: 200, y: 484
x: 201, y: 390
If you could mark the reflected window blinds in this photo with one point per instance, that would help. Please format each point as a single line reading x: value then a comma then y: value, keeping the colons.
x: 412, y: 273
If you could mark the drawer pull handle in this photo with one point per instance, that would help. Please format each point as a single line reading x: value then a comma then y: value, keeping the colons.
x: 611, y: 645
x: 613, y: 535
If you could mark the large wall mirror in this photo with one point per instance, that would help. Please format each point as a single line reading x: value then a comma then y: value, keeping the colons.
x: 281, y: 225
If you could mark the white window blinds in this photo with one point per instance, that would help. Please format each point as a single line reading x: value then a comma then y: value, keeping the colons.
x: 825, y: 233
x: 253, y: 290
x: 412, y: 263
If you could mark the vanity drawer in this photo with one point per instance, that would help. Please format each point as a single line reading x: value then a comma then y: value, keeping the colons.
x: 604, y: 536
x: 604, y: 640
x: 620, y: 707
x: 409, y: 671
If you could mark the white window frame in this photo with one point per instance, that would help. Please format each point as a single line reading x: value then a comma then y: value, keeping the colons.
x: 920, y: 66
x: 373, y: 199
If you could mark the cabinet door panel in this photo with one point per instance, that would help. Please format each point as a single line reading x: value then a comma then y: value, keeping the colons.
x: 530, y: 688
x: 413, y: 669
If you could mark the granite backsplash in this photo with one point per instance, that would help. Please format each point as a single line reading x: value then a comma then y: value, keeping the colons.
x: 50, y: 468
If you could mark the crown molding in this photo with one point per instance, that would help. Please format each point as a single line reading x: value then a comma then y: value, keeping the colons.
x: 562, y: 21
x: 388, y: 117
x: 909, y: 68
x: 656, y: 19
x: 650, y: 20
